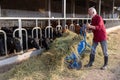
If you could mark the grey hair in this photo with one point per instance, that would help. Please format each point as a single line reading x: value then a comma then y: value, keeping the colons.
x: 93, y: 10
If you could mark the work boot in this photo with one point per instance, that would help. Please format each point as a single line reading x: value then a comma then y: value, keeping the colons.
x: 105, y: 63
x: 91, y: 60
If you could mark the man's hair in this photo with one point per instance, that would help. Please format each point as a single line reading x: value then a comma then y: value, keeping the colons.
x: 93, y: 10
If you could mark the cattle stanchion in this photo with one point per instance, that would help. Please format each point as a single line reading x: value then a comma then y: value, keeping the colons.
x: 5, y: 38
x: 21, y: 38
x: 66, y: 26
x: 72, y: 27
x: 58, y: 27
x: 50, y: 32
x: 37, y: 28
x: 78, y: 22
x: 37, y: 36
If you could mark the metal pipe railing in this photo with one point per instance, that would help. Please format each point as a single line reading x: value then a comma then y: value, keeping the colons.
x: 5, y: 38
x: 37, y: 28
x: 21, y: 36
x: 109, y: 23
x: 66, y: 26
x: 58, y: 27
x: 72, y: 27
x: 36, y: 18
x: 50, y: 30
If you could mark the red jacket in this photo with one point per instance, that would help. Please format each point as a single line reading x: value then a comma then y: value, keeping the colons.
x: 100, y: 31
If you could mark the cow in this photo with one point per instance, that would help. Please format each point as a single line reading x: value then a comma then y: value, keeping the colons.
x: 2, y: 50
x: 13, y: 44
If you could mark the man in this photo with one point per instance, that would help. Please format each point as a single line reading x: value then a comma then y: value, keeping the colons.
x: 100, y: 36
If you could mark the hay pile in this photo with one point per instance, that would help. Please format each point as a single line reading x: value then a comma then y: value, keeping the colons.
x: 49, y: 65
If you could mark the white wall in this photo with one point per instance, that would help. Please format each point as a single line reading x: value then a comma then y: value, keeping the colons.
x: 25, y: 13
x: 21, y: 13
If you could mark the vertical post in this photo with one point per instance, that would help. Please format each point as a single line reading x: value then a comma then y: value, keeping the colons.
x: 64, y: 9
x: 0, y: 11
x: 49, y: 11
x: 64, y: 12
x: 36, y: 29
x: 36, y: 23
x: 46, y: 8
x: 113, y: 9
x: 99, y: 7
x: 104, y: 15
x: 20, y: 33
x: 73, y: 8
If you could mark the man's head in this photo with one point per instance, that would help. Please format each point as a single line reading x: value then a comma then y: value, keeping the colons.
x: 92, y: 11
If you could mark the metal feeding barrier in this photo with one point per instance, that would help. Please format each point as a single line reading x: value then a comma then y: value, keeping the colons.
x: 17, y: 21
x: 38, y: 34
x: 72, y: 27
x: 49, y: 32
x: 5, y: 39
x: 22, y: 29
x: 58, y: 27
x: 66, y: 26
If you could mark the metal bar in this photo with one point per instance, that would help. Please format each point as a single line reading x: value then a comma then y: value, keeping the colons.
x: 40, y: 37
x: 78, y: 22
x: 0, y: 11
x: 58, y: 22
x: 58, y: 27
x: 64, y: 9
x: 31, y: 18
x: 48, y: 27
x: 65, y: 13
x: 66, y: 26
x: 5, y: 38
x: 73, y: 8
x: 34, y: 18
x: 72, y: 27
x: 36, y: 29
x: 113, y: 9
x: 20, y: 33
x: 22, y: 29
x: 49, y: 11
x: 26, y: 38
x: 36, y: 22
x: 99, y: 7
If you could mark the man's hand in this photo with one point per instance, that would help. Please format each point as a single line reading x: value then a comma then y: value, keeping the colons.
x: 88, y: 26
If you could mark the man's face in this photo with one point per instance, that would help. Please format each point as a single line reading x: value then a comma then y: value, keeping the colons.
x: 90, y: 12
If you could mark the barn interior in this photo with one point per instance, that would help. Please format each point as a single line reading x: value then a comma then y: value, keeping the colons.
x: 27, y: 22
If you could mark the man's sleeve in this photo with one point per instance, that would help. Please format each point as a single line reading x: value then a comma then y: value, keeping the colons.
x: 99, y: 23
